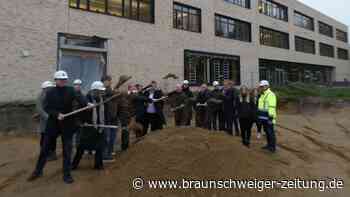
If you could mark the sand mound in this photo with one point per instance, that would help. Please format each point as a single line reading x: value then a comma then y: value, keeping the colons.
x: 309, y: 147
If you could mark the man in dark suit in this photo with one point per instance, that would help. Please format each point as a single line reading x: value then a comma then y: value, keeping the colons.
x: 230, y: 111
x: 154, y: 110
x: 59, y: 101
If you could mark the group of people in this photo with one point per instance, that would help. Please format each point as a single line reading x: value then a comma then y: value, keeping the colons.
x: 109, y: 110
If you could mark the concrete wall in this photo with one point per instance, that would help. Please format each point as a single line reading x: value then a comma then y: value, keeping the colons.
x: 145, y: 51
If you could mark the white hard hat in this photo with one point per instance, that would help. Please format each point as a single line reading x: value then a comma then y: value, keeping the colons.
x: 186, y: 82
x: 77, y: 82
x: 61, y: 75
x: 264, y: 83
x: 215, y: 83
x: 47, y: 84
x: 97, y: 85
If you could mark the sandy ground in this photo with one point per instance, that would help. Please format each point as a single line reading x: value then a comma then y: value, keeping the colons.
x: 310, y: 146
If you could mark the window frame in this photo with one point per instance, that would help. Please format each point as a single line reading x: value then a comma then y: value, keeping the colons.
x: 304, y: 16
x: 344, y: 50
x: 303, y: 50
x: 263, y: 28
x: 238, y: 23
x: 320, y: 31
x: 189, y: 7
x: 327, y: 45
x: 106, y: 12
x: 346, y: 39
x: 272, y: 7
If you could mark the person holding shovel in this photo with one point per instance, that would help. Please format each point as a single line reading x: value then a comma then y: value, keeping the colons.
x: 59, y: 101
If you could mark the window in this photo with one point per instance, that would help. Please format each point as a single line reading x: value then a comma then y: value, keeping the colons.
x: 304, y: 45
x: 343, y: 54
x: 141, y: 10
x: 202, y: 67
x: 274, y: 38
x: 273, y: 9
x: 242, y: 3
x: 342, y: 35
x: 187, y: 18
x: 303, y: 21
x: 325, y: 29
x: 232, y: 28
x: 326, y: 50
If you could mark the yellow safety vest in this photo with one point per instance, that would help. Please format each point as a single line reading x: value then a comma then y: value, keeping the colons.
x: 268, y: 103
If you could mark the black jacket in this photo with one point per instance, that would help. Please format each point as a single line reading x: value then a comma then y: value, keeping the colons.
x: 246, y: 108
x: 60, y: 100
x: 139, y: 102
x: 202, y: 98
x: 229, y: 104
x: 158, y: 105
x: 217, y: 95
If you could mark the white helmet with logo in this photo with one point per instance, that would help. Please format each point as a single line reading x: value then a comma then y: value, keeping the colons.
x: 77, y: 82
x: 216, y: 83
x: 97, y: 85
x: 47, y: 84
x: 61, y: 75
x: 186, y: 82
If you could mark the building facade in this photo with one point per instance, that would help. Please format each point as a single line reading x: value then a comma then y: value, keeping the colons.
x: 199, y: 40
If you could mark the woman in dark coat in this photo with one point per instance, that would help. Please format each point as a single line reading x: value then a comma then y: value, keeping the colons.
x: 247, y: 114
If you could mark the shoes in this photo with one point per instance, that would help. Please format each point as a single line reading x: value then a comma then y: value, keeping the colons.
x: 34, y: 176
x: 68, y: 179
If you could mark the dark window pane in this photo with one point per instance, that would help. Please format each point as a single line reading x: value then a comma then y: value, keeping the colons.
x: 326, y: 50
x: 232, y: 28
x: 83, y: 4
x: 127, y: 5
x: 304, y: 45
x: 325, y: 29
x: 145, y: 11
x: 303, y: 21
x: 73, y: 3
x: 343, y: 54
x: 342, y: 35
x: 274, y: 38
x: 187, y: 18
x: 242, y: 3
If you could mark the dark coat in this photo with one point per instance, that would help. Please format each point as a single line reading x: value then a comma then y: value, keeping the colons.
x: 218, y: 95
x: 202, y: 98
x: 60, y: 100
x: 246, y: 108
x: 229, y: 104
x: 139, y: 102
x: 158, y: 105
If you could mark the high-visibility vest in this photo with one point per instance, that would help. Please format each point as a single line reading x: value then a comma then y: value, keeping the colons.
x: 268, y: 103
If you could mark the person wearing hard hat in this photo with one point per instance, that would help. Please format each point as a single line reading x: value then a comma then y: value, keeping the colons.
x: 77, y: 87
x: 59, y: 101
x: 92, y: 138
x: 43, y: 116
x: 215, y: 106
x: 267, y: 114
x: 201, y: 107
x: 189, y: 102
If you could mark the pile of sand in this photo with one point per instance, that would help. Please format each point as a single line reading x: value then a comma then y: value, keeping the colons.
x: 310, y: 147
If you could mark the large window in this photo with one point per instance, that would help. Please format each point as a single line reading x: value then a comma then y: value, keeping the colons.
x: 273, y: 9
x: 232, y: 28
x: 303, y: 21
x: 242, y: 3
x: 274, y: 38
x: 326, y: 50
x: 202, y: 67
x: 187, y: 18
x: 304, y: 45
x: 141, y: 10
x: 343, y: 54
x: 325, y: 29
x: 342, y: 35
x: 281, y: 73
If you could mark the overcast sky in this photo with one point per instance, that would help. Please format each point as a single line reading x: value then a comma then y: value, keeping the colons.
x: 338, y: 9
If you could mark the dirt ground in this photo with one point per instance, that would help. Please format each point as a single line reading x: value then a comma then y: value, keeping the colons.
x: 310, y: 146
